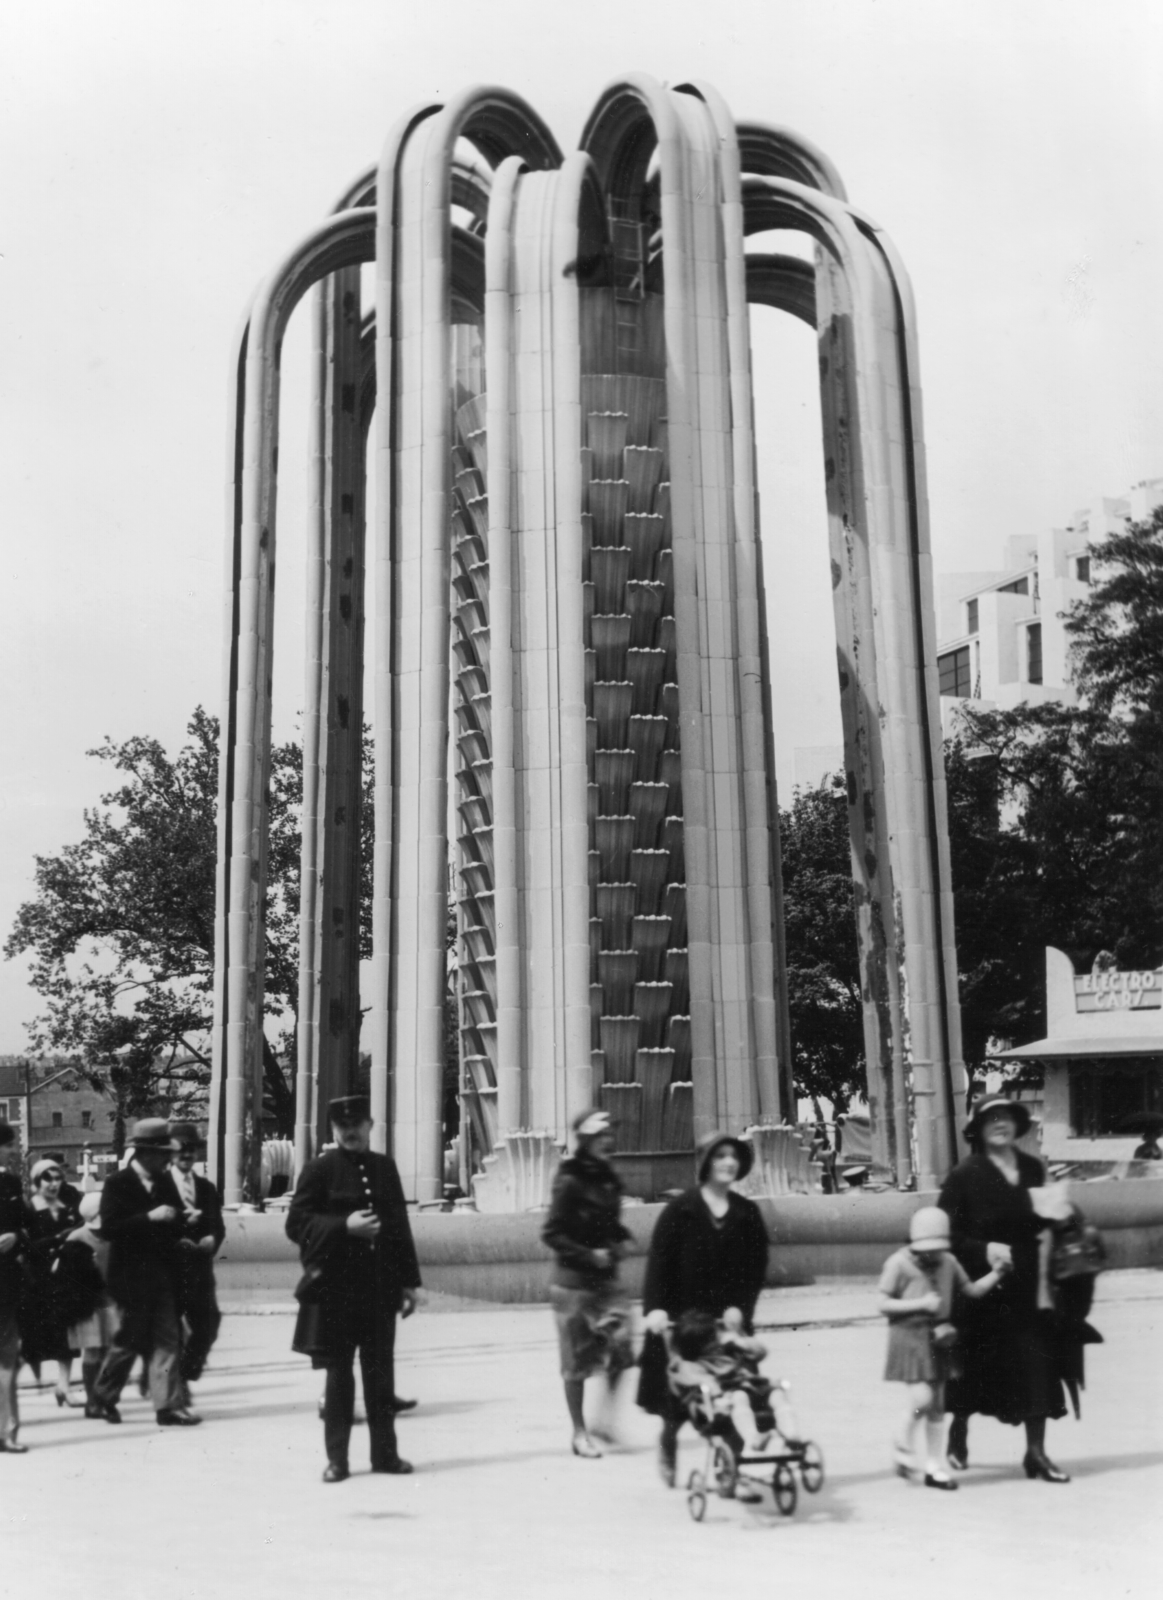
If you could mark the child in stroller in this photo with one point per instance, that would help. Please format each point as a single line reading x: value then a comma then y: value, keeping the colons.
x: 709, y: 1363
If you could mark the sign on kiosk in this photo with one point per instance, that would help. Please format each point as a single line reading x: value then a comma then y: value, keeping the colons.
x: 1119, y: 991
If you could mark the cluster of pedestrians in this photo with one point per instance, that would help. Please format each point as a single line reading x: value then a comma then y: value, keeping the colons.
x: 983, y: 1317
x: 111, y: 1279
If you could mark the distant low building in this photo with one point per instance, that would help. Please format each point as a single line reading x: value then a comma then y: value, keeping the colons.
x: 54, y: 1108
x: 1103, y: 1060
x: 1002, y: 634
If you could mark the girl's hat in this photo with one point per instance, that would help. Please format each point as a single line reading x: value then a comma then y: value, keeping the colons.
x: 90, y: 1209
x: 39, y: 1168
x: 997, y: 1102
x: 929, y: 1229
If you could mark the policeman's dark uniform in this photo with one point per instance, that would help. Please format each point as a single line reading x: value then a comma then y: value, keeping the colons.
x: 352, y: 1289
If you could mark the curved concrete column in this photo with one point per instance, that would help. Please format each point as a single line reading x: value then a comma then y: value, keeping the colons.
x: 414, y: 438
x: 883, y: 591
x: 725, y: 804
x: 245, y: 731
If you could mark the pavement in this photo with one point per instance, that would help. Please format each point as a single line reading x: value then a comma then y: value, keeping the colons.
x: 498, y: 1507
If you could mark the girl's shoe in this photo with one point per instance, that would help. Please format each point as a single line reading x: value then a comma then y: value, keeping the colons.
x: 939, y: 1480
x: 904, y: 1462
x: 1038, y: 1465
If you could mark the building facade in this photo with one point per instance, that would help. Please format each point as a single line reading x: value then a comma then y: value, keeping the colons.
x: 1003, y: 638
x: 54, y: 1108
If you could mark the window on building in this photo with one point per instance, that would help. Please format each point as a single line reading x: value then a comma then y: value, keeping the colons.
x: 1082, y: 569
x: 953, y: 671
x: 1019, y: 586
x: 971, y: 616
x: 86, y: 1119
x: 58, y: 1120
x: 1107, y: 1090
x: 1034, y: 653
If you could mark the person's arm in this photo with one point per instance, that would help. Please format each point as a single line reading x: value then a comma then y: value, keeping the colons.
x: 665, y: 1242
x: 978, y: 1287
x: 757, y: 1261
x: 309, y: 1225
x: 127, y: 1212
x: 556, y: 1233
x: 212, y: 1228
x: 888, y: 1295
x: 407, y: 1262
x: 956, y: 1200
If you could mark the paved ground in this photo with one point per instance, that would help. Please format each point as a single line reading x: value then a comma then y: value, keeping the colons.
x: 498, y: 1507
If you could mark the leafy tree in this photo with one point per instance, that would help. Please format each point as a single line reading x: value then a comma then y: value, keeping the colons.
x: 823, y: 974
x: 121, y: 929
x: 1056, y: 812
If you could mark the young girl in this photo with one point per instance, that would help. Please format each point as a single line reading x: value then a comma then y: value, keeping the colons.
x: 917, y: 1291
x: 91, y: 1314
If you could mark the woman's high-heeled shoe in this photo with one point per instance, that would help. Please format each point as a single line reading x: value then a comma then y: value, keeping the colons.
x: 1038, y: 1465
x: 64, y: 1398
x: 585, y: 1447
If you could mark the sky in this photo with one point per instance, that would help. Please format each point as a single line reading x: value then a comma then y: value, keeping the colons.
x: 157, y: 160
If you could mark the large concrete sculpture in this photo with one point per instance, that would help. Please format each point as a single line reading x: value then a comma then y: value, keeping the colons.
x: 570, y: 657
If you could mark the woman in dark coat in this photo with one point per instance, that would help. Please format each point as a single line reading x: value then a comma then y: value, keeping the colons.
x: 708, y: 1253
x: 585, y: 1232
x: 45, y: 1332
x: 1010, y: 1352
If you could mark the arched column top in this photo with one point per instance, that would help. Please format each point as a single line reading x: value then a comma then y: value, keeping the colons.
x: 632, y: 117
x: 771, y: 151
x: 344, y: 240
x: 786, y: 283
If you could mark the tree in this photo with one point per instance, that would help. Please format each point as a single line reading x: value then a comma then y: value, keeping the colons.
x: 823, y: 971
x: 1056, y: 812
x: 121, y: 929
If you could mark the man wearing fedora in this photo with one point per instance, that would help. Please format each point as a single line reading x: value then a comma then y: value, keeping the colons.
x: 141, y: 1214
x: 349, y: 1219
x: 202, y: 1231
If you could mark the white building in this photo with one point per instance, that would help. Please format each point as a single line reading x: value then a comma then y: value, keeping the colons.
x: 1002, y: 634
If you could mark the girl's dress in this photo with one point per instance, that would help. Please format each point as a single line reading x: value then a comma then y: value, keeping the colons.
x: 92, y: 1317
x: 912, y: 1355
x: 44, y: 1335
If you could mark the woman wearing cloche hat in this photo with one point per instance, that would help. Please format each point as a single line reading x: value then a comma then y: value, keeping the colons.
x: 708, y: 1253
x: 1011, y: 1359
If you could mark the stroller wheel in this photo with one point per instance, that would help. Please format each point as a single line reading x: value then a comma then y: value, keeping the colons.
x: 696, y: 1496
x: 725, y: 1469
x: 812, y: 1468
x: 784, y: 1489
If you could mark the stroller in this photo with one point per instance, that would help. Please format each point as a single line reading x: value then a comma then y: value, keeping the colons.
x: 706, y: 1390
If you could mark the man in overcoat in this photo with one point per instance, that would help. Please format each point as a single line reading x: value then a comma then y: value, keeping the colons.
x: 140, y: 1211
x: 349, y: 1219
x: 15, y: 1215
x: 201, y: 1232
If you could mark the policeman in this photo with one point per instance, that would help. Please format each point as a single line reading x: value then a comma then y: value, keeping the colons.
x: 350, y: 1222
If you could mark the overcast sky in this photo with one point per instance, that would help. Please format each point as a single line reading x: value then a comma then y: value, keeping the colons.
x: 157, y: 159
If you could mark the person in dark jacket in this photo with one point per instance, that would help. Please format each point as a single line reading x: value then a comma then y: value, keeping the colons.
x: 83, y: 1298
x: 15, y: 1217
x: 708, y: 1253
x: 201, y: 1232
x: 585, y: 1232
x: 349, y: 1219
x: 1011, y: 1366
x: 44, y: 1331
x: 140, y: 1212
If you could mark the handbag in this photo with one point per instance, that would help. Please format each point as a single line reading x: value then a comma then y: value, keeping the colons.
x: 1077, y: 1250
x: 309, y: 1290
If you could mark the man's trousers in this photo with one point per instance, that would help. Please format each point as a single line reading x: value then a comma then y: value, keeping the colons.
x: 166, y: 1389
x: 371, y: 1333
